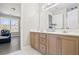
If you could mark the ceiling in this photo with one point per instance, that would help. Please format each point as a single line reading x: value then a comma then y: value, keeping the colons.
x: 11, y: 8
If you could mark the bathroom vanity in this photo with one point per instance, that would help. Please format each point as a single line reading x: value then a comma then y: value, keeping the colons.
x: 55, y: 43
x: 63, y: 22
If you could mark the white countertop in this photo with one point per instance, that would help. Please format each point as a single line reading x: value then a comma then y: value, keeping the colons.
x: 60, y: 33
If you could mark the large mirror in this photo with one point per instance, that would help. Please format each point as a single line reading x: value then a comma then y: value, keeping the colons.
x: 55, y: 19
x: 64, y: 16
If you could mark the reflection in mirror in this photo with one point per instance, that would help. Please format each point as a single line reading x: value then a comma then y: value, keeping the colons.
x: 72, y: 18
x: 63, y: 17
x: 58, y: 20
x: 52, y: 26
x: 50, y: 21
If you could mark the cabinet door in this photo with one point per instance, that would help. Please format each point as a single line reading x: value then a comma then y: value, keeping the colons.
x: 52, y: 44
x: 35, y: 40
x: 69, y: 46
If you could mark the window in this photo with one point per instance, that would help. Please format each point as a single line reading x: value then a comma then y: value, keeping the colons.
x: 14, y: 25
x: 11, y: 24
x: 4, y: 23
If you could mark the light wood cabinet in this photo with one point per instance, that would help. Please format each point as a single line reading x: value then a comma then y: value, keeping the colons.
x: 34, y: 40
x: 52, y: 44
x: 42, y: 49
x: 43, y: 43
x: 69, y: 45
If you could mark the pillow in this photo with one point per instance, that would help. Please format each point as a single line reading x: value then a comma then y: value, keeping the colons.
x: 5, y: 32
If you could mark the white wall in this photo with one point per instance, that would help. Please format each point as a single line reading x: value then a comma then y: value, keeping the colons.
x: 29, y: 20
x: 43, y: 19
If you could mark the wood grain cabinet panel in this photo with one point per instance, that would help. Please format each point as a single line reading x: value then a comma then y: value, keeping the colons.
x: 42, y: 49
x: 69, y: 45
x: 43, y: 41
x: 35, y: 40
x: 52, y: 44
x: 59, y: 47
x: 43, y: 35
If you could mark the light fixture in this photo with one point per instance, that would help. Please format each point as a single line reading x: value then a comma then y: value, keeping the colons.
x: 51, y: 5
x: 13, y: 9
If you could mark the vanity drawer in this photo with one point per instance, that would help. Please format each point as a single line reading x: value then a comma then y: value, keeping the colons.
x: 42, y: 41
x: 42, y: 35
x: 42, y: 49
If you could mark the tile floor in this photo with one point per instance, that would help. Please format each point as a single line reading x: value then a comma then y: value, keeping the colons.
x: 26, y: 51
x: 14, y: 45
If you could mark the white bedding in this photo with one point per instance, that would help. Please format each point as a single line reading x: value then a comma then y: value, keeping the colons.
x: 4, y: 37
